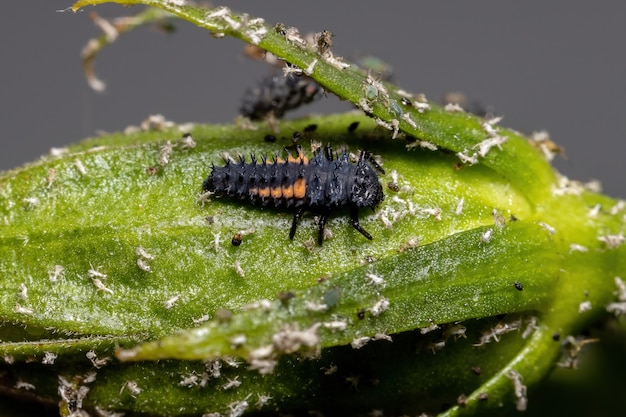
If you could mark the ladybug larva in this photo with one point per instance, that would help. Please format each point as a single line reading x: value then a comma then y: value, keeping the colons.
x: 323, y: 184
x: 277, y: 95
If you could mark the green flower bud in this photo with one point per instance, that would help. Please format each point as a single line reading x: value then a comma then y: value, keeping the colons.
x: 123, y: 288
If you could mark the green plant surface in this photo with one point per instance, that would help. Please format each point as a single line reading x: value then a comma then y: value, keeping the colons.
x: 120, y: 289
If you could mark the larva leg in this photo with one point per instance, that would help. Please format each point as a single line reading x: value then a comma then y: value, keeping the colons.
x: 354, y: 221
x: 294, y: 224
x: 322, y: 223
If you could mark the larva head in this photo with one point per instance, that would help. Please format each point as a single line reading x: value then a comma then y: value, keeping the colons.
x: 209, y: 182
x: 366, y: 190
x: 217, y: 181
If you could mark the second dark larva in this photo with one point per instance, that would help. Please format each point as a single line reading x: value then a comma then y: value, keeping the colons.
x: 321, y: 185
x: 277, y: 94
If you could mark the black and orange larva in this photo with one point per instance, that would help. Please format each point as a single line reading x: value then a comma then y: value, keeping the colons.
x: 326, y: 182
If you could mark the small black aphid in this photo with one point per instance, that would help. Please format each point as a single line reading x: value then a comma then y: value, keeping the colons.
x: 237, y: 239
x: 476, y: 370
x: 393, y: 186
x: 310, y: 128
x: 353, y: 126
x: 518, y: 286
x: 270, y: 138
x: 285, y: 296
x: 325, y: 183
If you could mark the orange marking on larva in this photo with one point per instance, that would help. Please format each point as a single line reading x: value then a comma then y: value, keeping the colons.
x: 299, y: 188
x: 287, y: 191
x: 300, y: 159
x: 280, y: 160
x: 261, y: 192
x: 276, y: 192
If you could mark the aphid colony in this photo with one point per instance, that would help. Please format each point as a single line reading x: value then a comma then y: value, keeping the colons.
x: 322, y: 184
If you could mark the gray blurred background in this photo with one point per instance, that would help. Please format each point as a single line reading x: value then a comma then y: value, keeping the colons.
x: 557, y: 65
